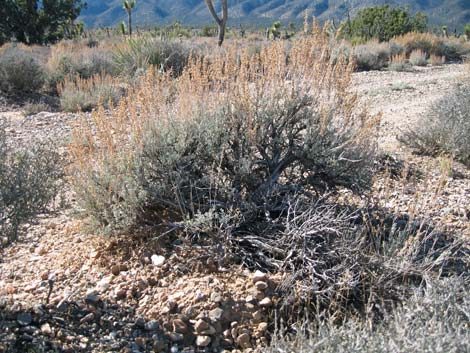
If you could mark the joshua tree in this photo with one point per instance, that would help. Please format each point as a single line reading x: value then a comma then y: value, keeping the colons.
x: 221, y: 22
x: 128, y: 5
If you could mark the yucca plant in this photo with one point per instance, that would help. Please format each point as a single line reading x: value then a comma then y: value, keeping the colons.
x: 128, y: 5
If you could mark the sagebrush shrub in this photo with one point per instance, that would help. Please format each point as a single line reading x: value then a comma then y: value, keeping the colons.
x: 28, y: 182
x: 20, y: 71
x: 372, y: 56
x: 225, y: 136
x: 445, y: 128
x: 418, y: 58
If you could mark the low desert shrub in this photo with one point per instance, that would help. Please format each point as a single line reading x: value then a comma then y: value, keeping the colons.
x: 437, y: 60
x: 229, y: 134
x: 28, y: 183
x: 86, y: 94
x: 137, y: 55
x: 434, y: 319
x: 20, y: 71
x: 399, y: 63
x: 445, y: 128
x: 371, y: 56
x: 71, y: 60
x: 431, y: 44
x: 418, y: 58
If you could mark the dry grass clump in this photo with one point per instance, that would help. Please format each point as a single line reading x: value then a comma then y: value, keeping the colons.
x: 28, y: 183
x: 237, y: 132
x: 418, y: 58
x: 437, y: 60
x: 445, y: 128
x: 434, y: 319
x: 86, y: 94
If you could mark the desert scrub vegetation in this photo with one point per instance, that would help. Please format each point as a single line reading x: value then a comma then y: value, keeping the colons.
x: 236, y: 132
x: 29, y: 181
x: 243, y: 152
x: 20, y: 70
x: 445, y: 128
x: 86, y: 94
x: 434, y: 319
x: 137, y: 55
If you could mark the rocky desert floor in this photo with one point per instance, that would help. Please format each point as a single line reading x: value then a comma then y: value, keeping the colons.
x: 65, y: 289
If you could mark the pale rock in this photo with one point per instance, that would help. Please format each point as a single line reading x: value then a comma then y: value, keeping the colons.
x: 216, y: 314
x: 259, y: 276
x: 176, y: 337
x: 263, y: 326
x: 203, y: 341
x: 266, y: 302
x: 158, y: 260
x: 243, y: 340
x: 200, y: 326
x: 260, y: 285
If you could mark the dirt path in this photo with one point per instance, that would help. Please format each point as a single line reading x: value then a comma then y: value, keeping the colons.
x: 404, y: 97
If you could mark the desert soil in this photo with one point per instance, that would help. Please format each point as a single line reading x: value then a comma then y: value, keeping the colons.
x: 64, y: 286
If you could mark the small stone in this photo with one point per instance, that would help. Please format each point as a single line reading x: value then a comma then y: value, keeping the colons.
x: 158, y: 260
x: 227, y: 334
x: 260, y: 285
x: 244, y: 341
x: 116, y: 270
x: 259, y: 295
x: 152, y: 325
x: 203, y: 341
x: 92, y: 298
x: 216, y: 314
x: 263, y: 326
x: 257, y: 315
x: 120, y: 294
x: 24, y: 319
x: 176, y: 337
x: 266, y: 302
x: 259, y: 276
x: 179, y: 326
x: 46, y: 329
x: 45, y: 275
x: 216, y: 297
x: 249, y: 299
x: 209, y: 332
x: 200, y: 326
x: 87, y: 318
x: 140, y: 341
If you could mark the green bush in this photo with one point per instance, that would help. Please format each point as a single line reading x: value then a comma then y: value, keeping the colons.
x: 445, y: 129
x: 28, y: 183
x: 383, y: 23
x: 20, y: 72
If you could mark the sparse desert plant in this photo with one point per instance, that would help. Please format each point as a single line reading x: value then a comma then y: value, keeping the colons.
x: 399, y: 63
x: 20, y: 71
x: 445, y: 128
x: 229, y: 134
x: 28, y: 183
x: 418, y: 58
x: 435, y: 317
x: 85, y: 94
x: 437, y: 60
x: 371, y: 56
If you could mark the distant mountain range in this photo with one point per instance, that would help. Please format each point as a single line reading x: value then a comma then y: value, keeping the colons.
x: 453, y: 13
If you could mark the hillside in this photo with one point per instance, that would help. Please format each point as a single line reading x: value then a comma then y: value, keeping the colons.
x: 453, y: 13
